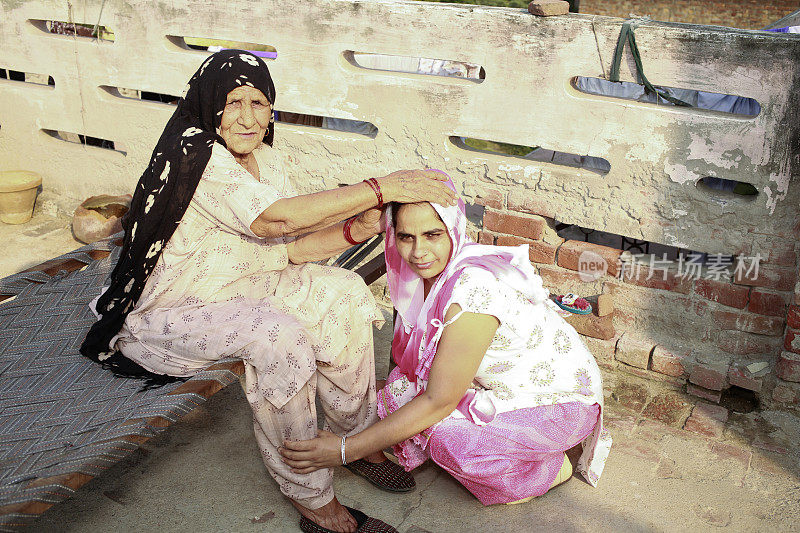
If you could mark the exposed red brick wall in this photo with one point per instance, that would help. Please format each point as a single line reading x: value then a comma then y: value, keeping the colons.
x: 730, y: 322
x: 747, y: 14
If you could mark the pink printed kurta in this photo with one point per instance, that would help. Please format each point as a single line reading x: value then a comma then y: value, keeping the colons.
x: 220, y: 291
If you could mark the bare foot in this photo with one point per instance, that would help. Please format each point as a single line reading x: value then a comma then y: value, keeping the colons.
x: 379, y: 384
x: 332, y: 516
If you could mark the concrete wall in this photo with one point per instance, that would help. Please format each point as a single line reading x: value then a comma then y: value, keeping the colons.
x: 656, y: 153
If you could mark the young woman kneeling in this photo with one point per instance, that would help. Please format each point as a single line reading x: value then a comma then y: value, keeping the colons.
x: 491, y: 383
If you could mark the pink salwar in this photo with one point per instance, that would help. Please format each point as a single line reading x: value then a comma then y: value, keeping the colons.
x: 515, y: 456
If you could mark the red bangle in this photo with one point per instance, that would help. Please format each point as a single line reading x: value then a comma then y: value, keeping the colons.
x: 373, y: 183
x: 346, y: 231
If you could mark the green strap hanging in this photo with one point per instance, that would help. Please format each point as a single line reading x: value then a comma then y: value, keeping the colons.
x: 627, y: 34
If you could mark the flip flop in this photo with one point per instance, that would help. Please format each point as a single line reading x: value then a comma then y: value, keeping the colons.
x: 366, y: 524
x: 573, y: 304
x: 385, y: 475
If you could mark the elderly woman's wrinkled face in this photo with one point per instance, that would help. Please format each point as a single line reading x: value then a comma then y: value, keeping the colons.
x: 245, y: 120
x: 422, y: 240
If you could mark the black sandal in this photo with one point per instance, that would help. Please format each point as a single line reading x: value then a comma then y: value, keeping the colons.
x: 366, y: 524
x: 385, y: 475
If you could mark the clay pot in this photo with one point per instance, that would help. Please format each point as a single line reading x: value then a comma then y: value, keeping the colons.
x: 99, y: 217
x: 18, y: 190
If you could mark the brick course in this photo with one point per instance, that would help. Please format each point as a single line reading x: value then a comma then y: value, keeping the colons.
x: 788, y: 367
x: 656, y: 279
x: 743, y: 343
x: 634, y: 352
x: 793, y: 317
x: 770, y: 276
x: 708, y: 420
x: 528, y: 227
x: 742, y: 378
x: 570, y: 252
x: 733, y: 13
x: 702, y: 392
x: 555, y: 277
x: 485, y: 237
x: 668, y: 362
x: 722, y: 292
x: 539, y: 252
x: 762, y: 325
x: 767, y: 303
x: 712, y: 377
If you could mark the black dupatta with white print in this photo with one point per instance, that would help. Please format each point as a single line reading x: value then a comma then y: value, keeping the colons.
x: 164, y: 192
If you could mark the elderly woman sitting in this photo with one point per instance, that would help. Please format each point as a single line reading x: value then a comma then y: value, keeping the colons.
x: 215, y: 264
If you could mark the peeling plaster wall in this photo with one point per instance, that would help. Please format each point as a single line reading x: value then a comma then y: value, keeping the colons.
x: 656, y: 152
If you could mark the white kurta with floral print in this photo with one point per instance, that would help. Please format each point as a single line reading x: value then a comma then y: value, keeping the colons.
x: 302, y: 331
x: 535, y: 359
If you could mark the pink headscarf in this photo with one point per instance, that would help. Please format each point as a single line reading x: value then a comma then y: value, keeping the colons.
x: 419, y: 318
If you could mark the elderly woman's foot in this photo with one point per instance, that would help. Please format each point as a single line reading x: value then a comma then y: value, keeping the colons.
x: 332, y: 515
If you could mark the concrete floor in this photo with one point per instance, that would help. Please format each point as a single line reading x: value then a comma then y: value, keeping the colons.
x: 204, y: 473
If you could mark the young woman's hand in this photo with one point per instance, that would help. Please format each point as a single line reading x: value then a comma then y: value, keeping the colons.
x: 306, y: 456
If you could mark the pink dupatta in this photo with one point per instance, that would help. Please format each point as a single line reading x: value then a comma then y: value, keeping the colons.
x: 419, y: 325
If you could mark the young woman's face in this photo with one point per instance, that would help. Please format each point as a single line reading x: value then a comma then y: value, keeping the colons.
x: 422, y: 240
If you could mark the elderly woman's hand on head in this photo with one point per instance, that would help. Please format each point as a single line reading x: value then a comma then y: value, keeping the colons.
x: 412, y: 186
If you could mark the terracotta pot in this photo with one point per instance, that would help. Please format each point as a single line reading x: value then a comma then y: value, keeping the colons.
x: 99, y: 217
x: 18, y: 190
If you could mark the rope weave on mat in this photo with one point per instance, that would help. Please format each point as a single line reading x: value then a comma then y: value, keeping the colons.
x: 60, y: 413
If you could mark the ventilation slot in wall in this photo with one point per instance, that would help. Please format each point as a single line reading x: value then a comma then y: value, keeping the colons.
x: 723, y: 190
x: 649, y: 262
x: 367, y: 129
x: 264, y: 51
x: 719, y: 102
x: 533, y: 153
x: 417, y: 65
x: 27, y: 77
x: 73, y: 29
x: 634, y: 246
x: 85, y: 140
x: 136, y: 94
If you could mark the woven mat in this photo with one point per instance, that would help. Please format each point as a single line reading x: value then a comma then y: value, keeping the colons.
x: 64, y: 419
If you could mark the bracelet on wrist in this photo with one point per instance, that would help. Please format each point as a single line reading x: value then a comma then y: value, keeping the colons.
x: 344, y: 459
x: 376, y: 188
x: 346, y: 231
